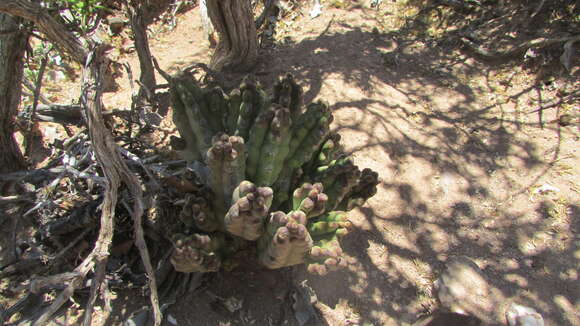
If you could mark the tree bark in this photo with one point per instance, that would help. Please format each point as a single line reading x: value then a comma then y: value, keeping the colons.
x: 12, y: 47
x: 237, y: 49
x: 56, y: 32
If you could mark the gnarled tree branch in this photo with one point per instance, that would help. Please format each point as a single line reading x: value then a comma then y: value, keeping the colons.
x: 55, y: 31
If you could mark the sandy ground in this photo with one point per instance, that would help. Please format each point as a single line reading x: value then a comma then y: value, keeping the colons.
x: 461, y: 160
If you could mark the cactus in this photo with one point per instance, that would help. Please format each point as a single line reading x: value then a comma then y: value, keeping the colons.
x: 246, y: 217
x: 326, y: 255
x: 287, y: 241
x: 288, y: 94
x: 328, y: 150
x: 309, y: 199
x: 227, y: 164
x: 234, y: 102
x: 250, y: 107
x: 195, y: 119
x: 326, y: 230
x: 196, y: 253
x: 256, y: 140
x: 274, y: 174
x: 365, y: 188
x: 198, y: 212
x: 188, y: 147
x: 217, y: 107
x: 275, y: 148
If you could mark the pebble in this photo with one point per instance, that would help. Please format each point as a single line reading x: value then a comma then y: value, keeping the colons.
x: 518, y: 315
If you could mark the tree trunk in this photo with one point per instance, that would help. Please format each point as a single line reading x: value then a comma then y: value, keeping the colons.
x: 139, y: 28
x: 12, y: 46
x: 237, y: 49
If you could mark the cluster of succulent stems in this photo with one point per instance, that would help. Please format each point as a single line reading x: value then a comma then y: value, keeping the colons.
x: 275, y: 176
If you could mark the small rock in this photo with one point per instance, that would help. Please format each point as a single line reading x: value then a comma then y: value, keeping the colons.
x: 116, y: 25
x: 171, y: 320
x: 463, y: 288
x: 518, y: 315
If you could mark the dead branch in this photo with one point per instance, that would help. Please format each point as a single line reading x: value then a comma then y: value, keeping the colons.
x: 27, y: 301
x: 40, y: 284
x: 136, y: 11
x: 42, y: 99
x: 32, y: 176
x: 143, y: 251
x: 20, y: 266
x: 116, y: 172
x: 37, y: 88
x: 14, y: 199
x: 96, y: 286
x: 520, y: 48
x: 134, y: 95
x: 31, y: 88
x: 557, y: 102
x: 67, y: 114
x: 104, y: 148
x: 163, y: 74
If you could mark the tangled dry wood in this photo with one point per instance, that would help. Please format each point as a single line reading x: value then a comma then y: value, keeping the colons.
x: 117, y: 174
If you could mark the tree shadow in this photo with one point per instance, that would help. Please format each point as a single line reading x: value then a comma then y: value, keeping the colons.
x: 458, y: 163
x: 457, y: 170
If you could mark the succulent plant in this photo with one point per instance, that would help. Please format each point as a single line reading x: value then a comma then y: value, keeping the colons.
x: 273, y: 171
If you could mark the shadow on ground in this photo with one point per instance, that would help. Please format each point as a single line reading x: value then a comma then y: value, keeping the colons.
x: 460, y: 160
